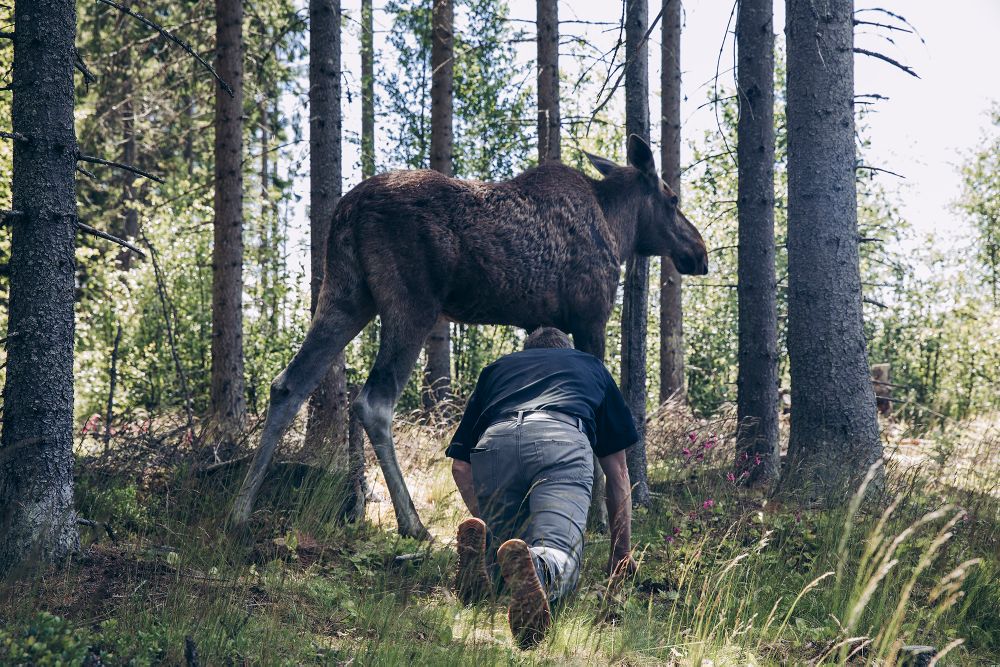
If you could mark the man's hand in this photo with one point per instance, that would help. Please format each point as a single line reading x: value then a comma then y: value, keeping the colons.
x: 619, y: 501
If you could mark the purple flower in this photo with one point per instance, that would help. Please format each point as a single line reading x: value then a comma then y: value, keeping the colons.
x: 730, y: 476
x: 692, y: 436
x: 686, y: 452
x: 708, y: 504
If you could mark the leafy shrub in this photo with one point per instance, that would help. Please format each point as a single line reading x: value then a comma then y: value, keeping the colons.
x: 47, y: 640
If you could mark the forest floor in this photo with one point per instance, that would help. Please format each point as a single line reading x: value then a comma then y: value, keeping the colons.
x: 726, y: 576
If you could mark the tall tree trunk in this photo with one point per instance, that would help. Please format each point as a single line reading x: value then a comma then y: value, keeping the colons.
x: 757, y: 377
x: 671, y: 313
x: 437, y: 372
x: 228, y: 395
x: 834, y: 433
x: 326, y: 432
x: 636, y: 295
x: 367, y: 90
x: 37, y: 521
x: 547, y: 19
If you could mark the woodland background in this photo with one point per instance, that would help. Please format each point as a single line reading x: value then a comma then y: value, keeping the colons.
x: 728, y: 575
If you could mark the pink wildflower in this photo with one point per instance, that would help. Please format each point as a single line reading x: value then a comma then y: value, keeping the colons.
x: 731, y: 477
x: 692, y: 436
x: 757, y: 460
x: 708, y: 444
x: 708, y: 504
x: 686, y: 452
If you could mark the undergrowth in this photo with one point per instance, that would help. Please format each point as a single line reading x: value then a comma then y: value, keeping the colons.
x: 726, y: 575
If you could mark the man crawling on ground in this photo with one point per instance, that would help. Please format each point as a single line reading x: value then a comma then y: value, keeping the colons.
x: 523, y: 460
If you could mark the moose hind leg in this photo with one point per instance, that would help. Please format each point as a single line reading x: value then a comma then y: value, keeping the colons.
x: 397, y: 354
x: 328, y: 334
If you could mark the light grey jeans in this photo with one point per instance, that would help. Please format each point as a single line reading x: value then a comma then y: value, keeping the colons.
x: 533, y: 480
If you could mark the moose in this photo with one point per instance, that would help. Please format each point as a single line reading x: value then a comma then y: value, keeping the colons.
x: 542, y: 249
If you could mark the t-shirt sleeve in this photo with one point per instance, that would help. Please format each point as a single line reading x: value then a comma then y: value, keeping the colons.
x: 465, y: 436
x: 614, y: 425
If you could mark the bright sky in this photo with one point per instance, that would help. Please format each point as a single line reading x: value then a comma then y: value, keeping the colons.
x: 922, y: 131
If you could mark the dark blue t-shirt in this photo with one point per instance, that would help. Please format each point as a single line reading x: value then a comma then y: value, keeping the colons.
x: 568, y: 381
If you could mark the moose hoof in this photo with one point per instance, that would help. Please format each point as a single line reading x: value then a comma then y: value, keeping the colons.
x: 414, y: 529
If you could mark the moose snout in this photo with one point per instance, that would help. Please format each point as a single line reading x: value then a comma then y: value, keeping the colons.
x: 693, y: 264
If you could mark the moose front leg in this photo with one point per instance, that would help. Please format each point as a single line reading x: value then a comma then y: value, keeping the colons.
x: 591, y: 339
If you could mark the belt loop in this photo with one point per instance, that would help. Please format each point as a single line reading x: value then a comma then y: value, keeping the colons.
x: 579, y: 424
x: 520, y: 417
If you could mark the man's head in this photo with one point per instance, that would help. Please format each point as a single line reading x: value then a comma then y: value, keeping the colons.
x: 547, y: 337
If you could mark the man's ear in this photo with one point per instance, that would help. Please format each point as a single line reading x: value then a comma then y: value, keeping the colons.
x: 640, y: 156
x: 603, y: 165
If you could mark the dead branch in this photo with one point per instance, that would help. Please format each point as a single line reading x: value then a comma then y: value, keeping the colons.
x: 16, y: 136
x: 119, y: 165
x: 874, y: 303
x: 173, y: 38
x: 885, y: 58
x: 88, y: 76
x: 108, y: 237
x: 887, y: 26
x: 6, y: 35
x: 902, y: 19
x: 86, y: 172
x: 161, y: 290
x: 113, y: 379
x: 880, y: 169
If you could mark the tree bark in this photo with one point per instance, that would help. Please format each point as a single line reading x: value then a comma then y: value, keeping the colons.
x: 228, y: 395
x: 834, y: 433
x: 671, y: 309
x: 437, y: 372
x: 636, y: 294
x: 367, y: 90
x: 547, y: 19
x: 757, y: 377
x: 37, y: 520
x: 326, y: 431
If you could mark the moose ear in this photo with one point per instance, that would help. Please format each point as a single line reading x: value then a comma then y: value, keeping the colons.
x: 603, y: 165
x: 640, y: 156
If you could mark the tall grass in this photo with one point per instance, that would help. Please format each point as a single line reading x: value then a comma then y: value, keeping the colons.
x: 738, y: 580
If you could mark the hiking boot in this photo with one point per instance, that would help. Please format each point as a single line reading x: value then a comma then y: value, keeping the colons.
x: 472, y: 582
x: 529, y: 616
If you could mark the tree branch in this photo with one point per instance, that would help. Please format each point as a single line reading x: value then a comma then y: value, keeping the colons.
x: 885, y: 58
x: 108, y: 237
x: 88, y: 76
x: 884, y: 171
x: 614, y: 89
x: 119, y: 165
x: 6, y: 35
x: 16, y: 136
x: 173, y: 38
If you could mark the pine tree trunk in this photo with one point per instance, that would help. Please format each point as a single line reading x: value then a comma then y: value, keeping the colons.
x: 228, y: 395
x: 548, y: 80
x: 671, y: 311
x: 757, y: 378
x: 437, y: 372
x: 636, y: 294
x: 834, y: 432
x: 367, y: 90
x: 326, y: 432
x: 37, y: 520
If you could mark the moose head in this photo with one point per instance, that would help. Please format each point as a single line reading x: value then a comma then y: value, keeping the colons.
x: 661, y: 228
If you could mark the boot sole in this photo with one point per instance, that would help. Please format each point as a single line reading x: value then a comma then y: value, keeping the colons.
x: 472, y: 581
x: 529, y: 615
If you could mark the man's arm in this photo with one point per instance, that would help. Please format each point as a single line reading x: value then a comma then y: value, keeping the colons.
x: 462, y: 472
x: 619, y: 502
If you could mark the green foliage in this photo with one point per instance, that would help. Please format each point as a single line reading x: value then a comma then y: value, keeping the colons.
x: 981, y: 203
x: 45, y: 641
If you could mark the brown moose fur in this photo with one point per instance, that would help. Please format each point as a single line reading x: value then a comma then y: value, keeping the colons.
x: 542, y: 249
